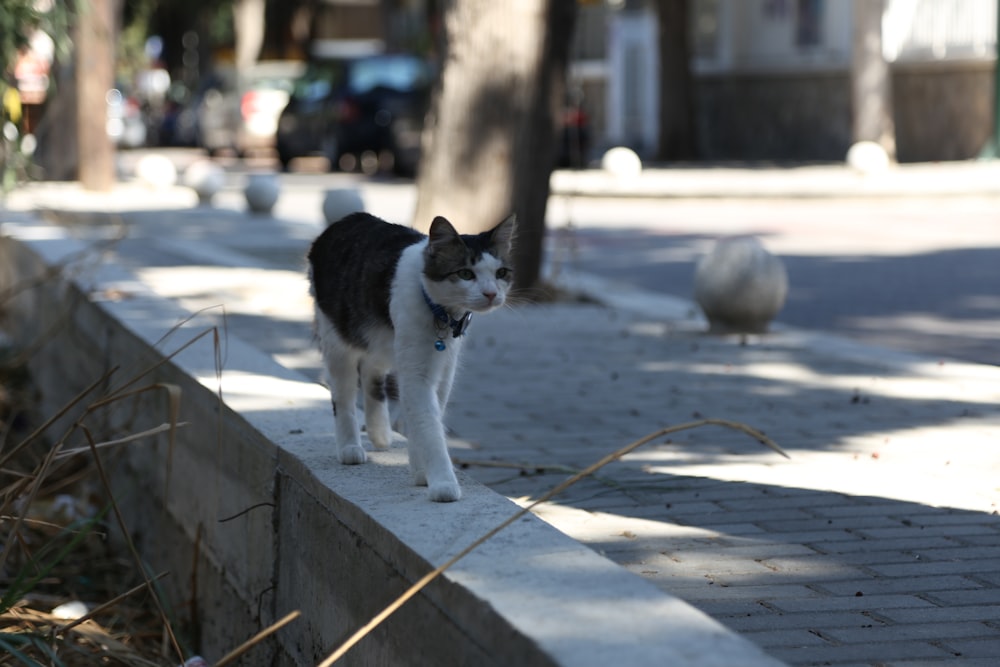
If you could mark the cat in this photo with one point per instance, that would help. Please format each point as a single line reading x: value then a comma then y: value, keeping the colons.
x: 392, y: 306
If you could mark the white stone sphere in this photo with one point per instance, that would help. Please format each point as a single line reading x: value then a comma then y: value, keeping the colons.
x: 156, y: 171
x: 868, y: 157
x: 206, y: 178
x: 622, y: 162
x: 740, y: 286
x: 340, y: 202
x: 261, y: 192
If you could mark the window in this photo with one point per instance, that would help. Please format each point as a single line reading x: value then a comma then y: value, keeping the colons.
x: 809, y: 23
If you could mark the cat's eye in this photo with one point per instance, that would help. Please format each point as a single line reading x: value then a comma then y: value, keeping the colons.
x: 466, y: 274
x: 503, y: 273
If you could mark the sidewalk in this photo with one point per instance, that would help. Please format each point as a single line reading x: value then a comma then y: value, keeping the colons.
x: 925, y: 179
x: 877, y: 543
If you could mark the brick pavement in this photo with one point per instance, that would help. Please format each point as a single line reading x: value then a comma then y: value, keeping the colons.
x: 878, y: 543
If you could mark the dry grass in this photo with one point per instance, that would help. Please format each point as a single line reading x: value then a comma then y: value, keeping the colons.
x: 55, y: 507
x: 57, y: 510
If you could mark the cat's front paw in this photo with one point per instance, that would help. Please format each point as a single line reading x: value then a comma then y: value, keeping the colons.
x: 444, y: 492
x: 352, y: 455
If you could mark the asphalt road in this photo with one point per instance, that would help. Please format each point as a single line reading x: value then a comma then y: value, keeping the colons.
x: 918, y: 274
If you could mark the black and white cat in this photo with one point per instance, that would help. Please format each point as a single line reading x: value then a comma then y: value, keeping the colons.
x: 392, y: 306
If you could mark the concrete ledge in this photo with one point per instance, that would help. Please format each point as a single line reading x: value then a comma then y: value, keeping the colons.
x: 254, y: 518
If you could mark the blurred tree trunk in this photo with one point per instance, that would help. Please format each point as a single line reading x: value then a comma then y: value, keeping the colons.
x: 678, y: 131
x: 490, y: 138
x: 95, y: 75
x: 58, y: 150
x: 248, y: 30
x: 871, y: 81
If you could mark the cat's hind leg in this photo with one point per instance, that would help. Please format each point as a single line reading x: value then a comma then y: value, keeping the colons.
x: 380, y: 388
x: 342, y: 366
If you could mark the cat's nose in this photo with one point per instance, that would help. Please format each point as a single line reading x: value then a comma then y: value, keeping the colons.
x: 490, y: 296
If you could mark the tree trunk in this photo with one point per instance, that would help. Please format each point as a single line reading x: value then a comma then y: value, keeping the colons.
x: 678, y: 132
x: 490, y: 138
x: 871, y: 83
x: 95, y: 62
x: 248, y: 29
x: 58, y: 153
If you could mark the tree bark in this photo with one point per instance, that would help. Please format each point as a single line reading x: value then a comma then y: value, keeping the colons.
x: 248, y: 29
x: 490, y: 137
x: 678, y: 131
x: 871, y: 83
x: 95, y: 62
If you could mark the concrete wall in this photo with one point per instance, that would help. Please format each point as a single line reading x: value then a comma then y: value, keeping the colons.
x: 942, y: 111
x: 775, y: 117
x: 253, y: 517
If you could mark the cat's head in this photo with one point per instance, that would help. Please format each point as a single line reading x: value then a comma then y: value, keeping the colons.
x: 469, y: 272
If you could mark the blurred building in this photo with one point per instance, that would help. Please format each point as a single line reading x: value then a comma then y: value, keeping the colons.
x: 773, y: 76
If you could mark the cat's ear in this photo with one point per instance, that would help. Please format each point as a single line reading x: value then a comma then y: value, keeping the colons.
x: 442, y: 231
x: 444, y: 244
x: 502, y: 236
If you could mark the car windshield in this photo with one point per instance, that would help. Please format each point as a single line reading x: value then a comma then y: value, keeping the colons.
x: 401, y: 73
x: 320, y: 80
x: 397, y: 73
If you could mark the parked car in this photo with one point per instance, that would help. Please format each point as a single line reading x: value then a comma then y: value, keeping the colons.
x: 241, y: 113
x: 365, y: 110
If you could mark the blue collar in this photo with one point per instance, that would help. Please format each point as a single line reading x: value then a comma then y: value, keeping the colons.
x: 458, y: 326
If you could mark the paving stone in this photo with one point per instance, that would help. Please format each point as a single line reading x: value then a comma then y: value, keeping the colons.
x: 935, y: 613
x: 868, y: 603
x: 931, y: 567
x: 864, y: 524
x: 784, y: 638
x: 857, y: 507
x: 929, y: 632
x: 963, y: 661
x: 946, y: 587
x: 976, y: 540
x: 863, y: 546
x: 937, y: 517
x: 875, y: 557
x: 957, y: 553
x: 800, y: 620
x: 761, y: 551
x: 976, y: 648
x: 874, y: 653
x: 732, y: 607
x: 959, y: 530
x: 956, y: 596
x: 722, y: 515
x: 695, y: 591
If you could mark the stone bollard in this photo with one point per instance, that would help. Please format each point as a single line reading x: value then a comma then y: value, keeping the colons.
x: 622, y: 162
x: 740, y: 286
x: 156, y: 171
x: 868, y: 158
x: 261, y: 192
x: 339, y: 202
x: 206, y: 178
